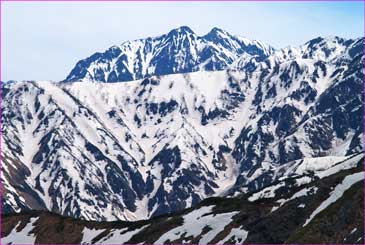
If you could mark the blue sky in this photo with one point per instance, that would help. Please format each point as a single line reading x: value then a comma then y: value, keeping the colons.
x: 43, y: 41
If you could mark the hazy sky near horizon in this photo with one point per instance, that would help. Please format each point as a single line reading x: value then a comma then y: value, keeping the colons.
x: 44, y: 40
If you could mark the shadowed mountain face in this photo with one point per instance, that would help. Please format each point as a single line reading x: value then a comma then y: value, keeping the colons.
x: 216, y: 115
x: 179, y: 51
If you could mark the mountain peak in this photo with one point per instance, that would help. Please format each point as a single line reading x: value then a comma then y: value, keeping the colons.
x: 182, y: 29
x: 324, y: 40
x: 179, y: 51
x: 217, y: 32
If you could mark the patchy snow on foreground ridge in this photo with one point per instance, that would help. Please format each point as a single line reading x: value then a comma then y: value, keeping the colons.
x: 337, y: 193
x: 237, y: 235
x: 194, y: 225
x: 23, y: 236
x: 268, y: 192
x: 303, y: 192
x: 114, y: 237
x: 195, y: 222
x: 120, y: 236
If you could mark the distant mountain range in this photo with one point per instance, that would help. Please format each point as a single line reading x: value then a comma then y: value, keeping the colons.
x: 158, y: 125
x: 179, y: 51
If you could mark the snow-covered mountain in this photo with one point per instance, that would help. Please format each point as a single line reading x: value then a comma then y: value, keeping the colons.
x: 308, y: 208
x: 179, y: 51
x: 310, y: 102
x: 133, y: 150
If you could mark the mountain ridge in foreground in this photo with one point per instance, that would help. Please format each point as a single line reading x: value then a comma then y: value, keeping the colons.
x: 250, y: 120
x: 245, y: 219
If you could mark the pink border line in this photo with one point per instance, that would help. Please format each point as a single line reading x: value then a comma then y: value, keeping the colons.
x: 1, y: 125
x: 1, y: 82
x: 319, y: 1
x: 364, y: 119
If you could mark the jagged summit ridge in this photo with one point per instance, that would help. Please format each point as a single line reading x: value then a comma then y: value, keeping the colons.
x: 179, y: 51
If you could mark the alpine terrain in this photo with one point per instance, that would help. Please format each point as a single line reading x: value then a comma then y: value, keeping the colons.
x: 189, y: 139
